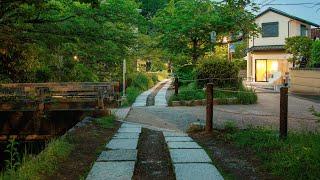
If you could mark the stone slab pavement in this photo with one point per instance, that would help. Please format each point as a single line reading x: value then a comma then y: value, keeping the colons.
x: 118, y: 160
x: 189, y: 160
x: 160, y: 98
x: 141, y: 100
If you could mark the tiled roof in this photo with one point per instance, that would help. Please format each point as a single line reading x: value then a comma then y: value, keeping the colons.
x: 287, y: 15
x: 267, y: 48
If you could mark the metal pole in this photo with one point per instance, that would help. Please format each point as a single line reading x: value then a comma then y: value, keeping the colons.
x: 209, y: 109
x: 283, y: 112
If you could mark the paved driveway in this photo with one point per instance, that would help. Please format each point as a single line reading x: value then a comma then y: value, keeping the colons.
x: 264, y: 113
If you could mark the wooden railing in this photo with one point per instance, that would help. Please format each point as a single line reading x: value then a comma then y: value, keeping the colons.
x: 58, y: 96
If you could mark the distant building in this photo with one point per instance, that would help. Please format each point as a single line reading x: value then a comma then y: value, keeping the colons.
x: 267, y: 59
x: 315, y: 33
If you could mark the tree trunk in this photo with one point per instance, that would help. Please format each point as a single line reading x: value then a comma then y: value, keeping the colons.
x: 194, y: 50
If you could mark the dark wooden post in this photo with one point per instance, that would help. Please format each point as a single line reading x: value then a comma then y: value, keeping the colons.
x: 209, y: 114
x: 283, y: 112
x: 101, y: 91
x: 176, y: 86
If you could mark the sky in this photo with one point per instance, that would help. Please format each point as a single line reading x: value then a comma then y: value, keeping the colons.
x: 305, y: 11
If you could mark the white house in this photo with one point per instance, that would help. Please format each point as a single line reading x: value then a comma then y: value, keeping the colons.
x: 267, y: 59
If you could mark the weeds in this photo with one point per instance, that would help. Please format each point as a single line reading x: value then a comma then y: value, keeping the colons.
x: 14, y: 157
x: 106, y: 122
x: 295, y: 158
x: 315, y: 113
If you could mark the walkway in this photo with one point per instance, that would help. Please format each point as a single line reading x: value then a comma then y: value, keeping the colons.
x: 126, y: 154
x: 160, y: 99
x: 141, y: 100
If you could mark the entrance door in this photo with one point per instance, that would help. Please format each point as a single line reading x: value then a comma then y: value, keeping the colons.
x: 266, y: 69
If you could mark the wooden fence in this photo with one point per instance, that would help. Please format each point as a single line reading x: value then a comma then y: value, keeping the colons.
x: 58, y: 96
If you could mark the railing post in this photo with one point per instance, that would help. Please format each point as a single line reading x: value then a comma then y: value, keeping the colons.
x: 209, y: 109
x: 101, y: 91
x: 176, y: 86
x: 283, y: 112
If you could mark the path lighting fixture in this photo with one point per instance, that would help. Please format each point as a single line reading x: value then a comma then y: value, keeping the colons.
x: 75, y: 57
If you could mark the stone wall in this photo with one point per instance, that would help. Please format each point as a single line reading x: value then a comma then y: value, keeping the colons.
x: 306, y: 80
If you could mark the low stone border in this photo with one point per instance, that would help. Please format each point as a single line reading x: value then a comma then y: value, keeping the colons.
x: 203, y: 102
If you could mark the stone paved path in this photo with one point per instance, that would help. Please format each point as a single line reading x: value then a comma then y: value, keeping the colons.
x: 119, y: 158
x: 190, y: 161
x: 160, y: 99
x: 141, y: 100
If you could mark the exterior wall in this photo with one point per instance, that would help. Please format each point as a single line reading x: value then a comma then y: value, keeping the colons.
x: 272, y: 55
x: 305, y: 81
x: 287, y: 28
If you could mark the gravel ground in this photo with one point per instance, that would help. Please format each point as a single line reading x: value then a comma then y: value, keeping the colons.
x: 264, y: 113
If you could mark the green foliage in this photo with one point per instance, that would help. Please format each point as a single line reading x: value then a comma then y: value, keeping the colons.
x: 106, y: 122
x: 240, y: 50
x: 298, y: 46
x: 190, y: 91
x: 315, y: 55
x: 39, y: 39
x: 294, y: 158
x: 185, y: 25
x: 186, y: 72
x: 44, y: 163
x: 132, y: 93
x: 223, y: 72
x: 141, y: 81
x: 241, y: 63
x: 14, y: 158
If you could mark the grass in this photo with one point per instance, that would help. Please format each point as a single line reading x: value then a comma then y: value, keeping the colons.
x: 44, y: 163
x: 106, y: 122
x: 297, y: 157
x: 191, y: 92
x: 47, y: 162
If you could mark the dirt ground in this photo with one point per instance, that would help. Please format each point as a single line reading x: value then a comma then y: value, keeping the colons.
x: 153, y: 157
x: 234, y: 162
x: 89, y: 141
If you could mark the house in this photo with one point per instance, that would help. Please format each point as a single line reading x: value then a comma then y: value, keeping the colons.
x: 267, y: 60
x: 315, y: 33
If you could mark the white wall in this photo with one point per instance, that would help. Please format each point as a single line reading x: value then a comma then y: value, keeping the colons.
x: 294, y: 29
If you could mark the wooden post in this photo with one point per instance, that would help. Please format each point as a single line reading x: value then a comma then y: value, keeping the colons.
x: 283, y: 112
x: 209, y: 109
x: 176, y: 86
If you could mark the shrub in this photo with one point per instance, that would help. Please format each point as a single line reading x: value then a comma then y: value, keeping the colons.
x: 241, y: 63
x: 185, y: 72
x: 224, y: 73
x: 315, y: 55
x: 140, y: 81
x: 132, y: 93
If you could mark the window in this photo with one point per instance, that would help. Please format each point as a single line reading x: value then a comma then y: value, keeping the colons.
x: 303, y: 30
x: 270, y: 29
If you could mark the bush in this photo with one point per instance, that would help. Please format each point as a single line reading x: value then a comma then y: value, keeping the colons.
x: 241, y: 63
x: 140, y: 81
x: 132, y: 93
x: 315, y: 55
x: 186, y: 72
x: 224, y: 73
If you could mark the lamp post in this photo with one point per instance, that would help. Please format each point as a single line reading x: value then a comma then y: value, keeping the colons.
x: 124, y: 71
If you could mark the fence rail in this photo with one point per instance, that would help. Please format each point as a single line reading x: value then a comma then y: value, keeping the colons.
x: 58, y: 96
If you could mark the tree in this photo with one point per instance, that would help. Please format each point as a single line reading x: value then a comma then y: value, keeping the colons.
x: 185, y: 25
x: 298, y: 46
x: 38, y: 38
x: 150, y: 7
x: 315, y: 55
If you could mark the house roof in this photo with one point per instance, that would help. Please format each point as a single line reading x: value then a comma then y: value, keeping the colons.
x: 267, y: 48
x: 287, y: 15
